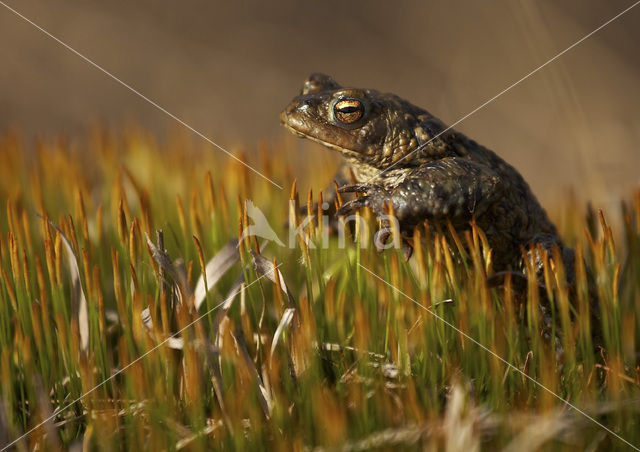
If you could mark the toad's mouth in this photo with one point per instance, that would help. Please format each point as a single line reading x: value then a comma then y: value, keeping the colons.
x: 298, y: 133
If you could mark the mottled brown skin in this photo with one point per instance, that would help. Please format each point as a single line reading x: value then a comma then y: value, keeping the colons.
x: 402, y: 155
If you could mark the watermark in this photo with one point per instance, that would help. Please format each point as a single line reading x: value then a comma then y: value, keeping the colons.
x: 386, y: 236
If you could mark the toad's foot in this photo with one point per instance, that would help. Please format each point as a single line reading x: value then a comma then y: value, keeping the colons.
x: 380, y: 202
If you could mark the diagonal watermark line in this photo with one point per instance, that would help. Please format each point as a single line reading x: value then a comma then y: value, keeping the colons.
x: 138, y: 359
x: 491, y: 352
x: 138, y: 93
x: 508, y: 88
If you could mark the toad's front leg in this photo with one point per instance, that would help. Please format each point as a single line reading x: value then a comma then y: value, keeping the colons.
x: 452, y: 188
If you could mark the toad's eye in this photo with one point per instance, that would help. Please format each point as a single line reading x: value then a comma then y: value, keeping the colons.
x: 348, y: 111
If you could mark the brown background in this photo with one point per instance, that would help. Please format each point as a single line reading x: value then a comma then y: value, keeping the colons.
x: 228, y: 68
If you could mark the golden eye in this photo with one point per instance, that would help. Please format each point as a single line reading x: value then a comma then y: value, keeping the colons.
x: 348, y: 111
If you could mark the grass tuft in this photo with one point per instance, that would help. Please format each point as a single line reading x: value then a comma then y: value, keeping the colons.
x: 117, y: 247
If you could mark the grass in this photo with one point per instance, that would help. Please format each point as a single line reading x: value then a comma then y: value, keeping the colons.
x: 319, y: 354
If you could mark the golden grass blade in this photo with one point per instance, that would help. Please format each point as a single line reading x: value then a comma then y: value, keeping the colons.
x: 266, y: 400
x: 78, y: 298
x: 284, y: 323
x: 265, y: 267
x: 215, y: 269
x: 163, y: 259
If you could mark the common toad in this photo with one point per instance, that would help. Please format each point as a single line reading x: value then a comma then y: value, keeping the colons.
x: 402, y: 155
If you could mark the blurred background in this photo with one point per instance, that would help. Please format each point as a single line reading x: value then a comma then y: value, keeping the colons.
x: 228, y: 68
